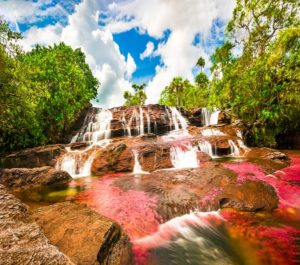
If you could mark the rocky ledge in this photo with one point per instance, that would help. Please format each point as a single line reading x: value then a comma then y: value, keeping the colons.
x: 22, y: 241
x: 84, y: 235
x: 62, y: 234
x: 25, y: 178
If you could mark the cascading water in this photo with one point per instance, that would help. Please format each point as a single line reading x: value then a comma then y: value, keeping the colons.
x: 137, y: 169
x: 212, y: 132
x: 234, y: 150
x: 195, y: 238
x: 177, y: 119
x: 184, y: 155
x: 207, y: 148
x: 96, y: 132
x: 210, y: 117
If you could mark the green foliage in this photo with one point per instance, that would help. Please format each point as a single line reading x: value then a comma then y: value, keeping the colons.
x: 137, y: 98
x: 261, y: 86
x: 181, y: 93
x: 41, y: 92
x: 201, y: 63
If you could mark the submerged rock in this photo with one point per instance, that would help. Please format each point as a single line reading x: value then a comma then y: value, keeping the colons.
x: 84, y: 235
x: 24, y: 178
x: 22, y: 241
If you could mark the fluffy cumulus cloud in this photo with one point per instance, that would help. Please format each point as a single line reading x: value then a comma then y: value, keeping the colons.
x: 148, y: 51
x: 103, y: 54
x: 82, y: 31
x: 185, y: 20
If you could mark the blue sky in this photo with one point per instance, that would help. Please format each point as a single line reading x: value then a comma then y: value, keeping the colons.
x: 129, y: 41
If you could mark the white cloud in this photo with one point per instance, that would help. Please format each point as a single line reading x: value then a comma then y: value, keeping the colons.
x: 184, y: 20
x: 102, y: 53
x: 148, y: 51
x: 16, y: 11
x: 43, y: 36
x: 130, y: 66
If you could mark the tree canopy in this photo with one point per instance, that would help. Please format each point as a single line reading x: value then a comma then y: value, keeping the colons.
x: 41, y: 91
x: 137, y: 98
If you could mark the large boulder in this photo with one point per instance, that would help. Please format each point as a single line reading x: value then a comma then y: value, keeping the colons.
x: 22, y: 241
x: 249, y: 196
x: 24, y: 178
x: 34, y: 157
x: 269, y: 159
x: 207, y: 188
x: 84, y: 235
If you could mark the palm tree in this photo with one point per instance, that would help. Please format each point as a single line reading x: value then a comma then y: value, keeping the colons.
x: 176, y: 87
x: 201, y: 63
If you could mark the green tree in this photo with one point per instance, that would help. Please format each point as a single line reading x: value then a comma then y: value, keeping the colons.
x: 137, y: 98
x: 258, y: 84
x: 41, y: 92
x: 201, y: 63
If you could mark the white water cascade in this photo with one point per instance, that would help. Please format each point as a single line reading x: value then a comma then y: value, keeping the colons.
x: 210, y: 117
x: 234, y: 150
x: 100, y: 129
x: 207, y: 148
x: 137, y: 118
x: 212, y: 132
x: 97, y: 132
x: 137, y: 169
x: 184, y: 156
x: 177, y: 119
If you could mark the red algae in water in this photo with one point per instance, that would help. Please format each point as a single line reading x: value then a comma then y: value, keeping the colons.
x: 133, y: 210
x: 285, y: 182
x: 274, y: 245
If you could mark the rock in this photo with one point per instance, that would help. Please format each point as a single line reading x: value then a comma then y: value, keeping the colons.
x: 249, y: 196
x: 269, y: 159
x: 84, y: 235
x: 22, y: 241
x: 179, y: 192
x: 25, y: 178
x: 195, y: 117
x: 119, y: 156
x: 203, y: 157
x: 34, y: 157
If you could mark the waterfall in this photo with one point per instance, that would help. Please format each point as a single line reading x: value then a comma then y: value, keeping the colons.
x: 137, y: 169
x: 184, y: 156
x: 212, y: 132
x: 148, y: 122
x: 234, y: 150
x: 177, y: 119
x: 141, y: 120
x: 207, y: 148
x: 210, y: 117
x: 195, y: 238
x: 76, y: 163
x: 98, y: 129
x: 241, y: 141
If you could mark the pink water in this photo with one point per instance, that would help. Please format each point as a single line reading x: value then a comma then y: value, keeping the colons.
x: 257, y: 239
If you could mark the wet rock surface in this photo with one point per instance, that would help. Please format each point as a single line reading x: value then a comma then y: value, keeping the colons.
x: 84, y: 235
x: 25, y: 178
x: 23, y: 241
x: 249, y: 196
x: 207, y: 188
x: 34, y: 157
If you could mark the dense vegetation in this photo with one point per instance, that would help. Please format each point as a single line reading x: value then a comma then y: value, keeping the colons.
x: 255, y: 73
x: 41, y: 92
